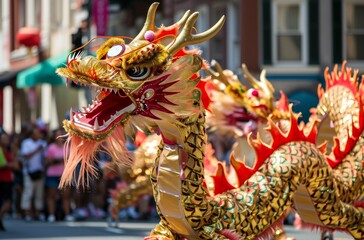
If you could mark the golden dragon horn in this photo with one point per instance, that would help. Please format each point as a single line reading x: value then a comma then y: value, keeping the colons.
x: 150, y: 21
x: 219, y: 75
x: 186, y: 38
x: 263, y: 84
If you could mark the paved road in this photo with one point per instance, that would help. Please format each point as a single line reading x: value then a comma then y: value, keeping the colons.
x: 93, y: 230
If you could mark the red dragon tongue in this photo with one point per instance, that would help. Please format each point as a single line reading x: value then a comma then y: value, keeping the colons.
x: 103, y: 114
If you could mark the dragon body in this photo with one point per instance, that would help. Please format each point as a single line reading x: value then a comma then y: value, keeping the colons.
x: 236, y: 110
x: 152, y: 84
x: 340, y: 113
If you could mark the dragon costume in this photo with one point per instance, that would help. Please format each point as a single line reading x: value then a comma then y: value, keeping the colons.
x: 152, y: 84
x: 238, y: 110
x: 340, y: 114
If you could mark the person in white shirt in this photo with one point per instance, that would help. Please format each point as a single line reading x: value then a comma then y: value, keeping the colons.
x: 32, y: 150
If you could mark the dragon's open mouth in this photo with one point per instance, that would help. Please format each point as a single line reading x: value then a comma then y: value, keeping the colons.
x: 97, y: 120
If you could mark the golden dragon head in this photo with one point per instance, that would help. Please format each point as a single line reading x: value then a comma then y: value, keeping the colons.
x: 236, y: 108
x: 147, y: 83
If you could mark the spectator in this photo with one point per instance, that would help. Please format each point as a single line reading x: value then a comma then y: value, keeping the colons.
x: 32, y: 150
x: 7, y: 163
x: 18, y: 176
x: 55, y: 167
x: 81, y: 201
x: 80, y: 37
x: 98, y: 198
x: 92, y: 201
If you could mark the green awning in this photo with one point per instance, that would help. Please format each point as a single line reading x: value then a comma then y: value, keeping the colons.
x: 44, y: 72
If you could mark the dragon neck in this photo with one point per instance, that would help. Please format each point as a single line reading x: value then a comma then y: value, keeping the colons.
x: 341, y: 112
x: 178, y: 177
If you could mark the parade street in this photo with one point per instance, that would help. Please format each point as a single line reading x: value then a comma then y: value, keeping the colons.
x: 90, y: 230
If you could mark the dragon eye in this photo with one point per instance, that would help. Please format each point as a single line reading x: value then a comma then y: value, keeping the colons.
x: 115, y: 51
x: 138, y: 73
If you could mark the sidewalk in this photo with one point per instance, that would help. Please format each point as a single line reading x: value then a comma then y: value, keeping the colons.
x: 95, y: 229
x: 99, y: 229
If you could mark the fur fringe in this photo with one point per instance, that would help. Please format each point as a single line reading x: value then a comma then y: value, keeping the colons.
x: 80, y: 163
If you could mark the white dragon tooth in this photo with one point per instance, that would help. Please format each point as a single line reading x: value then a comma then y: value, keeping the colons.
x: 84, y: 109
x: 79, y: 55
x: 71, y: 115
x: 115, y: 91
x: 67, y: 82
x: 96, y: 124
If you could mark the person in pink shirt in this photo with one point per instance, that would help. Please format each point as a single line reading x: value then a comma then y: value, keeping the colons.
x: 55, y: 167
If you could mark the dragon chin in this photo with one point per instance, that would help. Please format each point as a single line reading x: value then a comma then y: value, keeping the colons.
x: 98, y: 120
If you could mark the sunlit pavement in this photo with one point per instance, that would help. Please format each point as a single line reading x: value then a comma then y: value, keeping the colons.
x: 131, y: 230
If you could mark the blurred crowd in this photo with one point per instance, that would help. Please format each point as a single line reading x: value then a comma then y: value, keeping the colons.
x: 31, y: 165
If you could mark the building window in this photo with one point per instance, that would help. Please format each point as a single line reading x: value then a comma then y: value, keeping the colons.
x: 1, y: 16
x: 218, y: 42
x: 233, y: 38
x: 354, y: 31
x: 18, y: 16
x: 289, y: 32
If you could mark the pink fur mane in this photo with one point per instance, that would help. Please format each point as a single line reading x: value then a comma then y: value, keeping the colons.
x: 79, y: 151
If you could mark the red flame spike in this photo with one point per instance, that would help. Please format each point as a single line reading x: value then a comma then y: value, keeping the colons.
x: 346, y: 78
x: 323, y: 147
x: 204, y: 184
x: 205, y: 98
x: 320, y: 90
x: 243, y: 172
x: 263, y: 151
x: 361, y: 88
x: 220, y: 181
x: 282, y: 103
x: 273, y: 128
